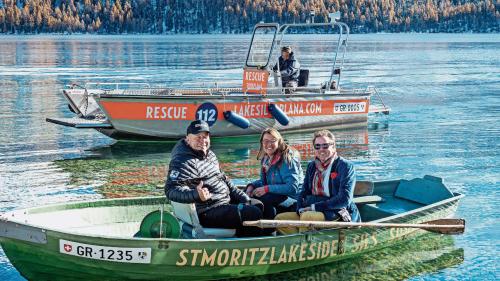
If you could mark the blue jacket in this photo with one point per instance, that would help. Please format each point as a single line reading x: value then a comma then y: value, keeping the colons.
x: 341, y: 190
x: 284, y: 177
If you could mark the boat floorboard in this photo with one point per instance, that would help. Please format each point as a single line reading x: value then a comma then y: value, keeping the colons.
x: 397, y: 205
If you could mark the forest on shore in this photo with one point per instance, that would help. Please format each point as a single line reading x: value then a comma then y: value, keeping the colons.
x: 239, y: 16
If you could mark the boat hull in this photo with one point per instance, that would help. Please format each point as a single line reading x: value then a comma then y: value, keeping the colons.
x: 201, y: 259
x: 167, y: 117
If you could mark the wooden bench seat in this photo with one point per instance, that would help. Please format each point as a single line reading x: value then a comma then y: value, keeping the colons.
x: 369, y: 199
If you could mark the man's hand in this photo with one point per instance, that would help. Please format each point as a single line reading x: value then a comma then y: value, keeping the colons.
x: 203, y: 192
x: 306, y: 209
x: 249, y: 190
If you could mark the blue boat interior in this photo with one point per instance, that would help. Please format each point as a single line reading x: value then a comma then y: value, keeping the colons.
x: 400, y: 196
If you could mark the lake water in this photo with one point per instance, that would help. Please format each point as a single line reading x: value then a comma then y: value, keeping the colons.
x: 444, y: 91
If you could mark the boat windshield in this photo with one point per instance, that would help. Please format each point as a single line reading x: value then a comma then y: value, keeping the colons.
x: 261, y: 45
x: 267, y: 39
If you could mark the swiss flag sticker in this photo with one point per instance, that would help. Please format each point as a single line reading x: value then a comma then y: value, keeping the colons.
x: 68, y: 248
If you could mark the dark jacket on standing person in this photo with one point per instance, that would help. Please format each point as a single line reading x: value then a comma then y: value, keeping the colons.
x: 342, y: 179
x: 188, y: 167
x: 289, y: 69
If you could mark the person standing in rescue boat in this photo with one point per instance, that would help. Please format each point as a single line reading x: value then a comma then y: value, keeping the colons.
x: 288, y: 67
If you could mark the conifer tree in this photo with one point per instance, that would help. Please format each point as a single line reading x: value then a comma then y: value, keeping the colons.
x: 235, y: 16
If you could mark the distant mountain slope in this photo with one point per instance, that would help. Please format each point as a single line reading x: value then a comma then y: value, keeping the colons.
x: 239, y: 16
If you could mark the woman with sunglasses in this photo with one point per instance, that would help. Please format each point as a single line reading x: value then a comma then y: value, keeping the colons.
x: 328, y: 188
x: 280, y: 176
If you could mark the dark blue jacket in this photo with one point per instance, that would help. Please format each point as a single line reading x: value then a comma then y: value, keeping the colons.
x: 289, y: 69
x: 341, y: 190
x: 284, y: 177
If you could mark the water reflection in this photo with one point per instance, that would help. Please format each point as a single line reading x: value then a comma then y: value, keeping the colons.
x: 428, y: 253
x: 123, y: 51
x: 127, y: 169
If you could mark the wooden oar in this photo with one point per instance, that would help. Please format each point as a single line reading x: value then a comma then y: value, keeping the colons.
x: 443, y: 226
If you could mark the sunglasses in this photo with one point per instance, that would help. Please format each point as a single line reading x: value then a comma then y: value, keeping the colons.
x: 319, y: 146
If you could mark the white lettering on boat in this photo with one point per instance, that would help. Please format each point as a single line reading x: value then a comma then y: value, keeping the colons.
x: 166, y: 112
x: 309, y: 108
x: 112, y: 254
x: 251, y: 110
x: 257, y: 256
x: 255, y: 81
x: 254, y: 86
x: 255, y: 76
x: 259, y: 110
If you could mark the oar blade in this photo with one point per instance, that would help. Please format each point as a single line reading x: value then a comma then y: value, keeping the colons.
x: 460, y: 223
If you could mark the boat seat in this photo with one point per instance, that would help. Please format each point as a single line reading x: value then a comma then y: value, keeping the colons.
x: 368, y: 199
x: 303, y: 78
x: 363, y: 188
x: 426, y: 190
x: 191, y: 227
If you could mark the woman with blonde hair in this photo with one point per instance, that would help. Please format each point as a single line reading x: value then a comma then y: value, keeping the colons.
x: 280, y: 176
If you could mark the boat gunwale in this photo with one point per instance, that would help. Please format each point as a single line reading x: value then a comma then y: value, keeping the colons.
x: 231, y: 96
x: 456, y: 197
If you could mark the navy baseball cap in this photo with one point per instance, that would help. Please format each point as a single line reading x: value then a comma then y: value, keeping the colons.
x: 287, y: 49
x: 198, y: 126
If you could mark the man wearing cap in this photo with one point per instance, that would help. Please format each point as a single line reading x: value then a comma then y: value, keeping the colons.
x: 194, y: 176
x: 289, y: 68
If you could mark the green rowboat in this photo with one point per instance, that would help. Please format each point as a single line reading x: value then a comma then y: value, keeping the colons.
x: 97, y: 240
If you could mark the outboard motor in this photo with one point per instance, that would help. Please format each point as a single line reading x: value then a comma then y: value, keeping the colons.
x: 278, y: 114
x: 236, y: 119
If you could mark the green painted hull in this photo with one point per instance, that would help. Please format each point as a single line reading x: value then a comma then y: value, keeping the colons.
x: 112, y: 223
x: 411, y: 257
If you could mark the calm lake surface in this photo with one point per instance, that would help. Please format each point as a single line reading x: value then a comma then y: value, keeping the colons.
x: 444, y: 91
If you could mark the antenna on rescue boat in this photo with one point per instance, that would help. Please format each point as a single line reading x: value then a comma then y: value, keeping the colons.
x: 334, y: 17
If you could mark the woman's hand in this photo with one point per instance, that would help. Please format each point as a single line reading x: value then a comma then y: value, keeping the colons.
x: 259, y: 191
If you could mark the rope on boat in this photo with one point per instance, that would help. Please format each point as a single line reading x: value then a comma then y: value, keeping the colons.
x: 379, y: 96
x: 86, y: 98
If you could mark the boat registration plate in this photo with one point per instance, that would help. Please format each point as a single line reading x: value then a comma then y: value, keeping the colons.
x: 113, y: 254
x: 350, y: 107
